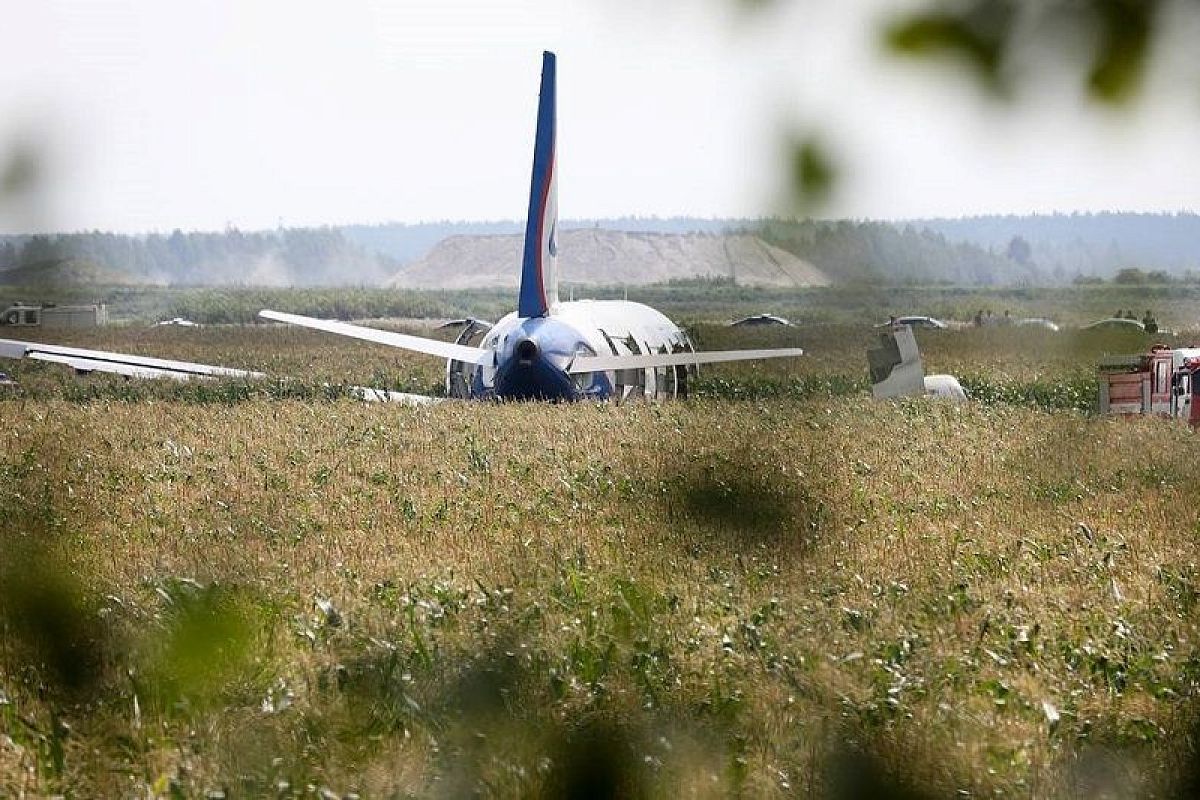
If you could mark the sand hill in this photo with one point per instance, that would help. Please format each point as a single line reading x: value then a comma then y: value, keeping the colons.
x: 604, y: 257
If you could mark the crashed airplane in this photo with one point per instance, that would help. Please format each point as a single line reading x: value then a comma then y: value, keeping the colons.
x: 545, y: 350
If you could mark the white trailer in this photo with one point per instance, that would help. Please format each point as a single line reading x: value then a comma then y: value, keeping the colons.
x: 26, y: 315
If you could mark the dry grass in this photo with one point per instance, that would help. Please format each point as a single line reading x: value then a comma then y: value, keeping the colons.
x: 703, y: 598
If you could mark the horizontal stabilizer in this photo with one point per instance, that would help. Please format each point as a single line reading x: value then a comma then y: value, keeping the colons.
x: 584, y: 364
x: 419, y: 344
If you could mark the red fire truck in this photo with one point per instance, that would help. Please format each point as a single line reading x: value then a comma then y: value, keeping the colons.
x: 1163, y: 381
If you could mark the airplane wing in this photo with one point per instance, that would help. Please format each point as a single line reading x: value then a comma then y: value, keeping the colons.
x: 146, y: 367
x: 94, y: 365
x: 419, y: 344
x: 583, y: 364
x: 118, y: 363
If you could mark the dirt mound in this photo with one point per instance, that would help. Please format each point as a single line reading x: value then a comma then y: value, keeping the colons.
x: 604, y: 257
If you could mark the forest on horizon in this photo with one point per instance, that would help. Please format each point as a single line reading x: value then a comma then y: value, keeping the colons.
x: 997, y: 250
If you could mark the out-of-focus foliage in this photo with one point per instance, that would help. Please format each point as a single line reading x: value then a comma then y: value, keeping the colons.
x: 975, y: 33
x: 813, y: 170
x: 1005, y: 44
x: 20, y: 172
x: 208, y: 642
x: 988, y: 34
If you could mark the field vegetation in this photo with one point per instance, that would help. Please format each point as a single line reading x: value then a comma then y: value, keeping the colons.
x: 1022, y: 366
x: 777, y: 587
x: 696, y: 300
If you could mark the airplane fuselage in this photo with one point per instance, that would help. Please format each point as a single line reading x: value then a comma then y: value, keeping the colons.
x: 532, y: 355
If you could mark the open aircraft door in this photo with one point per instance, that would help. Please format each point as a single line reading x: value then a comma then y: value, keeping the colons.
x: 459, y: 374
x: 663, y: 383
x: 653, y: 378
x: 628, y: 384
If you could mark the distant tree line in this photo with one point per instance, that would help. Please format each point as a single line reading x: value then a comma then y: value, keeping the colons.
x: 1133, y: 276
x: 1068, y: 245
x: 287, y: 257
x: 851, y: 252
x: 1056, y: 249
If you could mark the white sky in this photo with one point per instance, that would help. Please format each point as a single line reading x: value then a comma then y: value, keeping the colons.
x: 156, y: 114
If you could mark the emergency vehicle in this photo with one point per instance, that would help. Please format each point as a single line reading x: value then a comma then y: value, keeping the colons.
x: 1162, y: 381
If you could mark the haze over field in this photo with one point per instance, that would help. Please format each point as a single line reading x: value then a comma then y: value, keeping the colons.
x: 155, y: 116
x: 981, y: 251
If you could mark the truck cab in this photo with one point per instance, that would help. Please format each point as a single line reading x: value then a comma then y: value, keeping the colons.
x: 1185, y: 390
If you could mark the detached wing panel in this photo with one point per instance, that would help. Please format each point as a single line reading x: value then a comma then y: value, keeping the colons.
x: 418, y: 344
x: 13, y: 348
x: 584, y: 364
x: 118, y: 363
x: 399, y: 398
x: 128, y: 370
x: 146, y: 367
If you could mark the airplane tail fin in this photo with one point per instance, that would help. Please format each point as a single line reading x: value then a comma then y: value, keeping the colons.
x: 539, y: 267
x: 897, y: 371
x: 896, y: 368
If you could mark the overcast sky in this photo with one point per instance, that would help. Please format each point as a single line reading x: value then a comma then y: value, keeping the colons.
x: 154, y: 114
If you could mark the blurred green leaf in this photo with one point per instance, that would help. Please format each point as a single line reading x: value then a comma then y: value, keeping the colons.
x: 47, y: 619
x: 977, y: 35
x: 1126, y: 29
x: 984, y: 34
x: 813, y: 172
x: 21, y: 172
x: 211, y: 643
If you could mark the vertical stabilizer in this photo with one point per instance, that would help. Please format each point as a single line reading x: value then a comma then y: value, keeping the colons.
x: 539, y: 268
x: 896, y: 369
